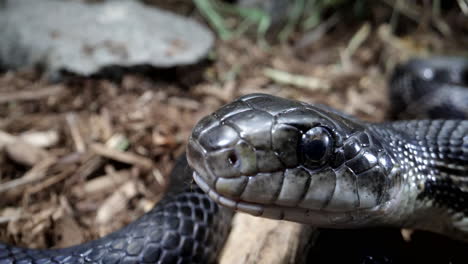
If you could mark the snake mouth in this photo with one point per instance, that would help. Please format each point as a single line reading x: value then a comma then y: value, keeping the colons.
x: 319, y: 218
x: 250, y: 208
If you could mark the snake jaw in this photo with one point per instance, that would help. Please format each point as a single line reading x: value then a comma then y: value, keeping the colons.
x: 250, y: 208
x: 318, y: 218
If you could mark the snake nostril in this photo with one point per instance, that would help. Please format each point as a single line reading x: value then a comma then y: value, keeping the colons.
x: 232, y: 158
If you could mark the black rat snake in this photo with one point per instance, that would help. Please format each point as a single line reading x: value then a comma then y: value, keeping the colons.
x: 290, y: 160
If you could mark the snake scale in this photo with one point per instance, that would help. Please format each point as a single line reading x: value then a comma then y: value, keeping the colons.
x: 285, y: 159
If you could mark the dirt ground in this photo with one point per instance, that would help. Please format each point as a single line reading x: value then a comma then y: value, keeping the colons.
x: 84, y: 156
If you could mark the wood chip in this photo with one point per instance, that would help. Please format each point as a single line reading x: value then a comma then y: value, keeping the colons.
x: 9, y: 97
x: 299, y: 81
x: 51, y: 180
x: 6, y: 138
x: 73, y: 124
x: 89, y: 165
x: 255, y: 240
x: 24, y: 153
x: 406, y: 234
x: 115, y: 203
x: 10, y: 214
x: 67, y: 232
x: 35, y: 174
x: 43, y: 139
x: 103, y: 183
x: 125, y: 157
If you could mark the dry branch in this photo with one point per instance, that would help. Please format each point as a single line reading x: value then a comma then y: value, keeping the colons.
x: 8, y: 97
x: 34, y: 174
x: 121, y: 156
x: 255, y: 240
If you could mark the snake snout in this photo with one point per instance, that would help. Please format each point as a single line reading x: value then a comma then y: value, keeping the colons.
x: 232, y: 146
x: 220, y: 157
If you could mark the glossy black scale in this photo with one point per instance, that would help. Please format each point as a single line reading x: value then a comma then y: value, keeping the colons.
x: 446, y: 194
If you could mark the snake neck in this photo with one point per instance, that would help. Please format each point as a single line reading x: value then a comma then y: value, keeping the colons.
x: 431, y: 158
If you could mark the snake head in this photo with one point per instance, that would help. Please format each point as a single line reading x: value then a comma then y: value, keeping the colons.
x: 285, y: 159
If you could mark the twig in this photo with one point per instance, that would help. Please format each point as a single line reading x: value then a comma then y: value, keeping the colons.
x: 121, y: 156
x: 72, y: 123
x: 94, y: 161
x: 43, y: 139
x: 51, y: 180
x: 24, y: 149
x: 414, y: 13
x: 318, y: 32
x: 116, y: 202
x: 299, y: 81
x: 34, y: 174
x: 162, y: 181
x: 102, y: 183
x: 30, y: 95
x: 356, y: 41
x: 404, y: 8
x: 89, y: 165
x: 11, y: 218
x: 6, y: 138
x: 463, y: 4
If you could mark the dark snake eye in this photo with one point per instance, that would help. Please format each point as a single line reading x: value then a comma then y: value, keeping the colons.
x: 316, y: 145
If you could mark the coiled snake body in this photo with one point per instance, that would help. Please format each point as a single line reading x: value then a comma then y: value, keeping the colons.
x: 184, y: 227
x: 290, y: 160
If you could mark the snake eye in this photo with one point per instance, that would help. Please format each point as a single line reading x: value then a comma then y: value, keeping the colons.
x: 316, y: 146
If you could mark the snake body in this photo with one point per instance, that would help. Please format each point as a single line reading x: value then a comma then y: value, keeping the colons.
x: 285, y: 159
x: 184, y: 227
x: 433, y: 88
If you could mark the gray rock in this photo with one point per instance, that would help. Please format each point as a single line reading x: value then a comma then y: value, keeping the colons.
x: 83, y: 38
